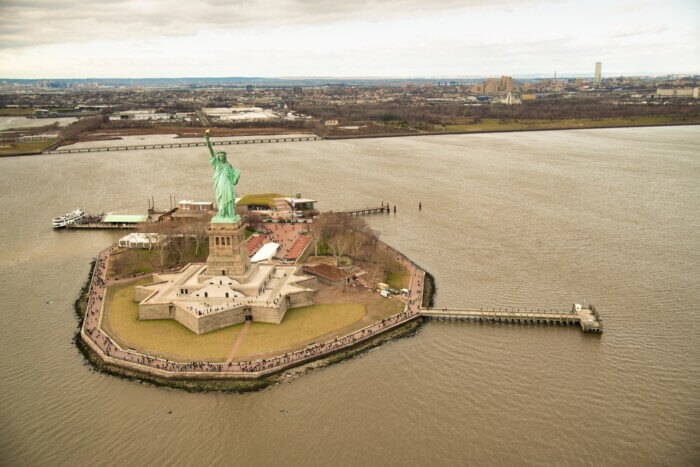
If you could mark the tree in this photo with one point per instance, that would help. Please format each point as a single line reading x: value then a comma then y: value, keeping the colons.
x: 164, y: 232
x: 344, y: 234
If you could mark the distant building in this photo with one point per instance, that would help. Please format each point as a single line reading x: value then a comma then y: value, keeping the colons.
x: 511, y: 99
x: 678, y: 92
x: 596, y: 77
x: 187, y: 209
x: 188, y: 205
x: 276, y: 205
x: 528, y: 97
x: 331, y: 123
x: 491, y: 86
x: 477, y: 89
x: 44, y: 137
x: 494, y: 86
x: 506, y: 84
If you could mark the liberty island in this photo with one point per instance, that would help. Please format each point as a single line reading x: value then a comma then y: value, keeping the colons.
x: 230, y: 298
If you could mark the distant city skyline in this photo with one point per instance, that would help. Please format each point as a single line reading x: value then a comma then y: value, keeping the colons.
x: 326, y: 39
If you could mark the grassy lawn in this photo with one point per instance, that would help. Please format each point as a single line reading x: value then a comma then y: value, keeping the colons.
x: 162, y: 337
x: 19, y: 112
x: 398, y: 277
x: 300, y: 325
x: 168, y: 338
x: 8, y: 149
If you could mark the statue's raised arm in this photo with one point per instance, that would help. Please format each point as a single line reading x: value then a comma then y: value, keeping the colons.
x: 206, y: 138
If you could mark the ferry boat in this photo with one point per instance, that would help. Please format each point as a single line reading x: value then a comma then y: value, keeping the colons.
x: 69, y: 218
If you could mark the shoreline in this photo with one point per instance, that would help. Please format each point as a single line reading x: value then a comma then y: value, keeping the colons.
x: 398, y: 135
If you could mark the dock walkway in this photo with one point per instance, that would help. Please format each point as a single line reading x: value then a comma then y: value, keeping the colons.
x: 277, y: 139
x: 363, y: 211
x: 587, y: 318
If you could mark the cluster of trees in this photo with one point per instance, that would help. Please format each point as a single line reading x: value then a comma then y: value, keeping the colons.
x: 589, y: 108
x: 343, y: 235
x: 181, y: 241
x: 73, y: 131
x: 455, y: 113
x: 278, y: 123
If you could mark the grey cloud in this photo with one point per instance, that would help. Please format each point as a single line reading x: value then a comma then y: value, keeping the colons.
x: 33, y: 22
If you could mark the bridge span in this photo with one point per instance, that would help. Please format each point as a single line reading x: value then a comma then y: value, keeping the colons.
x: 134, y: 147
x: 586, y: 318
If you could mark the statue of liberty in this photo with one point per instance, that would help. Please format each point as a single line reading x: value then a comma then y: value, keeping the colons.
x: 225, y: 178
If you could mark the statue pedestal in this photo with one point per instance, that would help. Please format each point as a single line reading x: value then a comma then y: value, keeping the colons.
x: 228, y: 255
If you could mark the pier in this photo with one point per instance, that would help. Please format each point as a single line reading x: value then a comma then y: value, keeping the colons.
x: 586, y: 318
x: 364, y: 211
x: 277, y: 139
x: 100, y: 226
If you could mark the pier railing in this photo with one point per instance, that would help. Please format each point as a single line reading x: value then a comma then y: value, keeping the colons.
x: 587, y: 318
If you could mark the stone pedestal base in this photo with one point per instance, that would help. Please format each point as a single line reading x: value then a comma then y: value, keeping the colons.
x: 228, y: 255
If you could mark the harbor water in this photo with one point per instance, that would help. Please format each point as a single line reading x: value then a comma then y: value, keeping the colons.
x: 530, y: 220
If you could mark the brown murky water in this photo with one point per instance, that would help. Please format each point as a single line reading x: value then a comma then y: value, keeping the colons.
x: 531, y: 219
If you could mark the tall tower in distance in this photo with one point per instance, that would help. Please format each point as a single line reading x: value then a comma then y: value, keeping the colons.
x: 596, y: 77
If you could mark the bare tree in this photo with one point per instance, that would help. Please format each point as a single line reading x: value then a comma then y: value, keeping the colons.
x: 344, y: 234
x: 164, y: 232
x: 254, y: 220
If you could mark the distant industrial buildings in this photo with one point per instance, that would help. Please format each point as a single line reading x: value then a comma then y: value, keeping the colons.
x: 494, y: 86
x: 678, y: 92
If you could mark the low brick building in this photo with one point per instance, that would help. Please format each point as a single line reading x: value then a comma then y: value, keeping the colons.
x: 329, y: 274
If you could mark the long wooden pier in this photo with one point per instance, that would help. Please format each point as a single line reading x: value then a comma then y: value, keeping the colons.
x: 363, y: 211
x: 277, y: 139
x: 586, y: 318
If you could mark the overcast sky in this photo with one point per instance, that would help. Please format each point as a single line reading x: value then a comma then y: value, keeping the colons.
x: 345, y: 38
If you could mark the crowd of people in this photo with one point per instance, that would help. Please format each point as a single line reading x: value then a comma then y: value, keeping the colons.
x: 110, y: 349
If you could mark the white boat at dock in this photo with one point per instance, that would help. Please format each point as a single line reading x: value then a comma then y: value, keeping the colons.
x: 66, y: 219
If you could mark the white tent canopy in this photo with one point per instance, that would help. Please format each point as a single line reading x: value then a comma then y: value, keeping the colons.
x: 265, y: 252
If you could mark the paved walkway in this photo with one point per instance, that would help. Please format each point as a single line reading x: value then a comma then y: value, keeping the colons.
x: 237, y: 344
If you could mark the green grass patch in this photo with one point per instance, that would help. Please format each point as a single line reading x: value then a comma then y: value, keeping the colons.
x: 28, y: 147
x: 299, y: 326
x: 16, y: 112
x: 398, y: 276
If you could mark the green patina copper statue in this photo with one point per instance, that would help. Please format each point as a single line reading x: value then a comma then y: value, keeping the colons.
x: 225, y: 178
